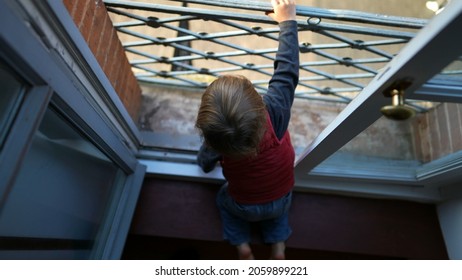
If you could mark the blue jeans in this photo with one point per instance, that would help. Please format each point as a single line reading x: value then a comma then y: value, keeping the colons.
x: 272, y: 218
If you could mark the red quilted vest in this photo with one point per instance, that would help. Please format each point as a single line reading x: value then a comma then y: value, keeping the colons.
x: 266, y: 177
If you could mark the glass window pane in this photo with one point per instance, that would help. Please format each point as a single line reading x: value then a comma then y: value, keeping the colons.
x: 61, y: 196
x: 11, y: 91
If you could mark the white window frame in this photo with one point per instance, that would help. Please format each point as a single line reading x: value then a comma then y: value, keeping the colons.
x: 416, y: 61
x: 39, y: 40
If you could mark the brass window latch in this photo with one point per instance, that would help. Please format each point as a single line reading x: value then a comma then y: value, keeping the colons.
x: 397, y: 110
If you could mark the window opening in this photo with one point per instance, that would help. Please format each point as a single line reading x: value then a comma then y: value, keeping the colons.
x: 341, y: 51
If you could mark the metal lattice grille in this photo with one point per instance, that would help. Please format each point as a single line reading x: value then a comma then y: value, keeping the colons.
x: 189, y: 43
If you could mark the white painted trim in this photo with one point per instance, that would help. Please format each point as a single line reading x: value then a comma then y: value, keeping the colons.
x: 180, y: 170
x: 367, y: 189
x: 65, y: 37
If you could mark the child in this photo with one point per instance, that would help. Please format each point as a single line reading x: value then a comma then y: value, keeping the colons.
x: 248, y: 135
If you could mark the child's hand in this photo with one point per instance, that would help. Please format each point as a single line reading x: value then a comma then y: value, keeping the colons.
x: 282, y: 10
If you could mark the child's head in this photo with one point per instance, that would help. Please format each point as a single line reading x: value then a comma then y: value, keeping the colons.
x: 232, y: 116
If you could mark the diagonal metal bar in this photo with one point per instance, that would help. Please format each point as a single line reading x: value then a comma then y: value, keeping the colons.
x: 355, y: 44
x: 182, y: 38
x: 341, y: 15
x: 214, y: 14
x: 329, y: 76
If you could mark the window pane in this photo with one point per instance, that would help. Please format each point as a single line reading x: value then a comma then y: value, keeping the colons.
x: 61, y: 195
x: 10, y: 95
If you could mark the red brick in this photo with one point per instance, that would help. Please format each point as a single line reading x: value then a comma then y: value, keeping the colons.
x: 455, y: 117
x: 129, y: 75
x: 96, y: 27
x: 87, y: 21
x: 109, y: 52
x: 444, y: 129
x: 416, y: 137
x: 104, y: 45
x: 115, y: 64
x: 122, y: 76
x: 117, y: 78
x: 77, y: 10
x: 433, y: 134
x: 424, y: 133
x: 100, y: 15
x: 70, y: 6
x: 133, y: 85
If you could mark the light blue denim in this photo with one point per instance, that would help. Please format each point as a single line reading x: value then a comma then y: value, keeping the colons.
x: 272, y: 218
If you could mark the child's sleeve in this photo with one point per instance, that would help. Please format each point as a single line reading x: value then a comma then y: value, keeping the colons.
x: 207, y: 158
x: 281, y: 88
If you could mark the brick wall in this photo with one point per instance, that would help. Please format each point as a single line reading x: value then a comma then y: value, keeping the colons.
x: 438, y: 132
x: 93, y: 21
